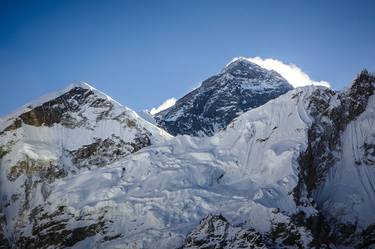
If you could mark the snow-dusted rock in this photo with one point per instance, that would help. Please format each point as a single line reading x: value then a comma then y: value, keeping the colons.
x: 63, y: 133
x: 214, y: 231
x: 241, y: 86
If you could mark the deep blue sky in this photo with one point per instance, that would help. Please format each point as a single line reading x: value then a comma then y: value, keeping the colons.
x: 143, y: 52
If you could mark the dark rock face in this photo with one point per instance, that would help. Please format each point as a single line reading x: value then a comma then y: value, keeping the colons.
x: 66, y: 109
x: 57, y: 110
x: 214, y: 231
x: 241, y: 86
x: 47, y: 170
x: 330, y: 120
x: 4, y: 244
x: 5, y: 149
x: 103, y: 152
x: 53, y: 230
x: 369, y: 155
x: 324, y: 135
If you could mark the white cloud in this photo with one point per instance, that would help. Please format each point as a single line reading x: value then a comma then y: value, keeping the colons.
x: 292, y: 73
x: 166, y: 104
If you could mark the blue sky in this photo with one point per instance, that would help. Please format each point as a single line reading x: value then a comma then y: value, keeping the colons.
x: 143, y: 52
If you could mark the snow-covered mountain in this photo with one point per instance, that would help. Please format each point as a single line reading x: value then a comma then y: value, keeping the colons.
x: 240, y: 86
x: 59, y: 135
x: 296, y: 172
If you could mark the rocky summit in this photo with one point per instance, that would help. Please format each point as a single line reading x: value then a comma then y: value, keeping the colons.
x: 241, y: 86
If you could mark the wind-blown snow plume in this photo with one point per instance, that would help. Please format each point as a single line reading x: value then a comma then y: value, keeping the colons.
x: 292, y: 73
x: 166, y: 104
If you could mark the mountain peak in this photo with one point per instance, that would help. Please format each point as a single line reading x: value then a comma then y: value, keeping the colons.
x: 239, y: 59
x: 243, y: 67
x: 80, y: 84
x: 364, y: 80
x: 85, y: 86
x: 242, y: 85
x: 75, y: 88
x: 242, y: 62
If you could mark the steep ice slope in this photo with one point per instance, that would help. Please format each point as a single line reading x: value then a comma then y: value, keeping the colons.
x: 60, y: 134
x: 156, y: 196
x: 241, y: 85
x: 352, y: 179
x: 347, y: 196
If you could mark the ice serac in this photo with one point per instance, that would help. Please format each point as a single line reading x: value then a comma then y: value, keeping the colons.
x: 241, y: 86
x: 61, y: 134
